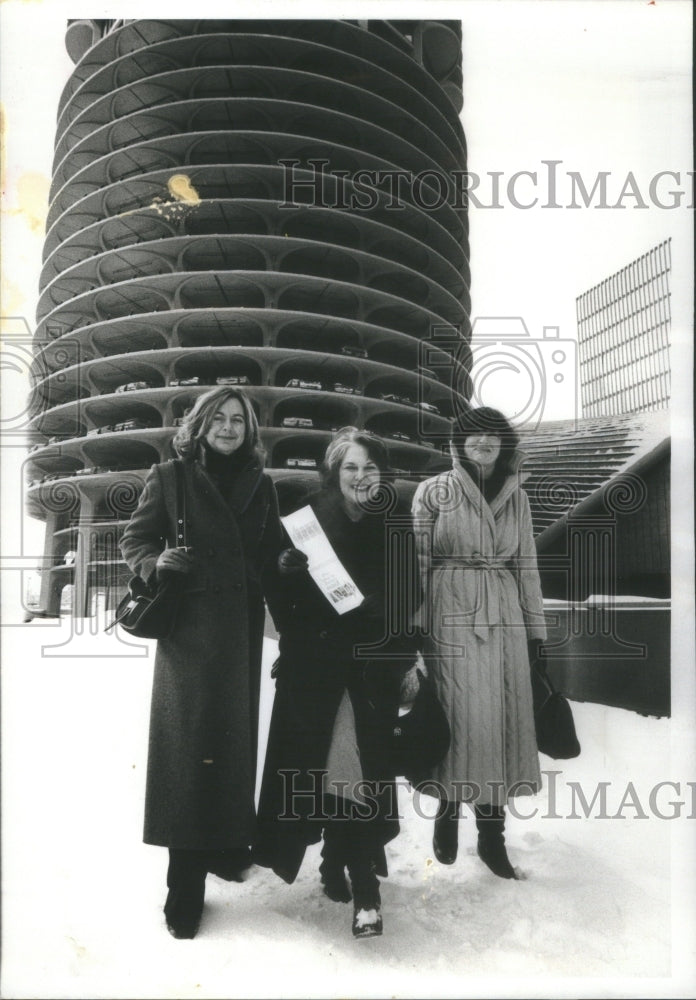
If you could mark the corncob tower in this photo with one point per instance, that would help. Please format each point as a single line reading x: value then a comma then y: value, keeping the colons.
x: 211, y: 219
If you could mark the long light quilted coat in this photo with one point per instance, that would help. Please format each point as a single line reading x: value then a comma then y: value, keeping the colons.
x: 483, y: 598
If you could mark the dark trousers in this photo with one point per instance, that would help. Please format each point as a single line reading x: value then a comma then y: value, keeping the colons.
x: 186, y: 883
x: 353, y: 844
x: 187, y: 872
x: 490, y: 820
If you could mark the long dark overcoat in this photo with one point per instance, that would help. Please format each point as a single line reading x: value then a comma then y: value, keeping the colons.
x: 204, y: 716
x: 317, y: 663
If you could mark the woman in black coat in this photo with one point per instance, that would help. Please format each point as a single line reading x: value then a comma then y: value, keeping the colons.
x: 328, y: 766
x: 204, y: 718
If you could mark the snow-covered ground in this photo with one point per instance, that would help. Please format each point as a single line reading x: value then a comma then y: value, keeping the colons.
x: 605, y: 907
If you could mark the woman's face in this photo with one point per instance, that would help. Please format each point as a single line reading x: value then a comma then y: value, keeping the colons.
x: 358, y: 476
x: 228, y: 429
x: 483, y: 450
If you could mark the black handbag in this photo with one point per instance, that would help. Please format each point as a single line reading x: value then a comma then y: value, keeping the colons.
x: 420, y: 738
x: 553, y: 718
x: 150, y: 611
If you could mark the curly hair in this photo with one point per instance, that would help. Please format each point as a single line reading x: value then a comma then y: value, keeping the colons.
x: 198, y: 422
x: 341, y: 442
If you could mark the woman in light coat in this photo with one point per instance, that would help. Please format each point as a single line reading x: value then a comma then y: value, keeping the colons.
x: 485, y: 614
x: 205, y: 698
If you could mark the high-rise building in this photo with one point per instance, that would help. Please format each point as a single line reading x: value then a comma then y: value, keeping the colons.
x: 624, y: 336
x: 270, y: 203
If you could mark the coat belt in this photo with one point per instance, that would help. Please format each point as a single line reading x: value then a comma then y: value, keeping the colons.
x: 473, y: 562
x: 487, y: 599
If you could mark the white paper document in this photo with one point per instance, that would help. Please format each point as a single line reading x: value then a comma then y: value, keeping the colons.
x: 325, y: 568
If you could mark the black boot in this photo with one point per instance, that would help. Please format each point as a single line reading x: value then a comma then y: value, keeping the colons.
x: 490, y: 823
x: 332, y: 868
x: 367, y: 903
x: 446, y: 833
x: 186, y: 882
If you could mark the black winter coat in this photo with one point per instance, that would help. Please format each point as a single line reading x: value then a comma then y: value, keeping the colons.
x: 204, y: 717
x: 318, y: 661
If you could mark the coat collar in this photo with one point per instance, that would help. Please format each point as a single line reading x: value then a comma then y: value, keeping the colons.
x: 328, y: 505
x: 243, y: 490
x: 510, y: 484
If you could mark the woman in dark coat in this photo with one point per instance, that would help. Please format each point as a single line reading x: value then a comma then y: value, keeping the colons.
x: 204, y: 718
x: 328, y: 765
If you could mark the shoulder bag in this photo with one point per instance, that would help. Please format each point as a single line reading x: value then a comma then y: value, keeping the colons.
x: 149, y: 611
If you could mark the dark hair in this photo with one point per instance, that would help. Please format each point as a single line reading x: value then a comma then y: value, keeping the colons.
x: 486, y: 420
x: 198, y: 422
x: 341, y: 442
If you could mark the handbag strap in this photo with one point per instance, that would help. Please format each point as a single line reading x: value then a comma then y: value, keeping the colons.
x: 181, y: 534
x: 549, y: 689
x: 180, y: 511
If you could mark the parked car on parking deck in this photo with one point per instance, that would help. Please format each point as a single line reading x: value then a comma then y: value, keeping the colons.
x: 305, y: 422
x: 135, y: 424
x: 232, y: 380
x: 303, y: 383
x: 132, y: 386
x: 392, y: 397
x: 190, y: 380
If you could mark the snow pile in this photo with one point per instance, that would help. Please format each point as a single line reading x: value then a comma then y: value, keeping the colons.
x: 591, y: 916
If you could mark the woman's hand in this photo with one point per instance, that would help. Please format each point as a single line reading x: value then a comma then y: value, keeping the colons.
x: 177, y: 560
x: 373, y: 606
x: 533, y: 651
x: 292, y: 561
